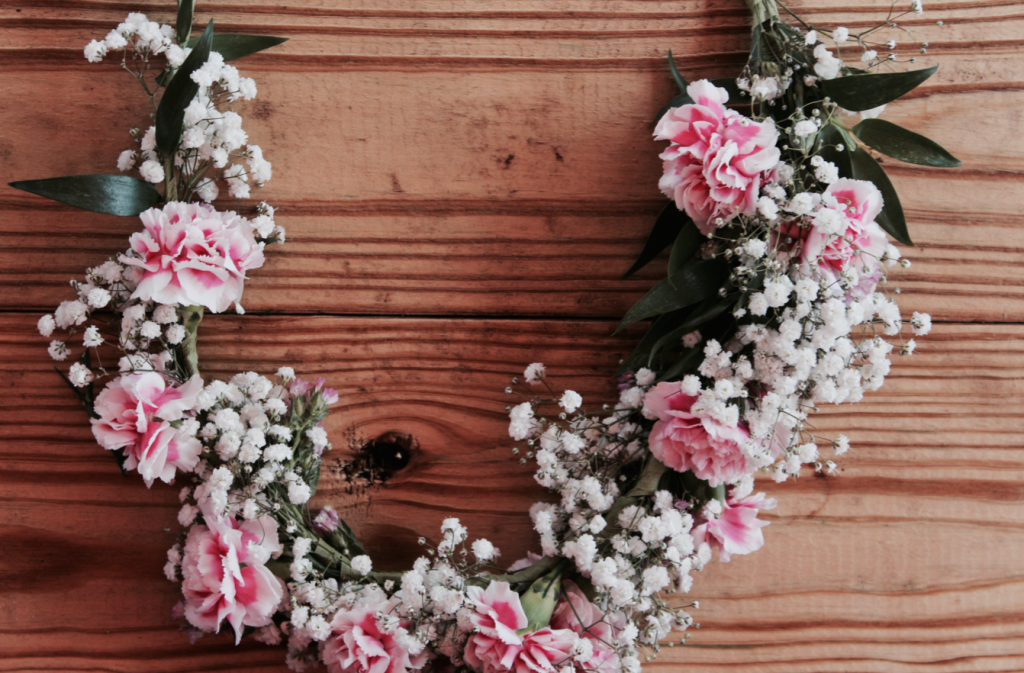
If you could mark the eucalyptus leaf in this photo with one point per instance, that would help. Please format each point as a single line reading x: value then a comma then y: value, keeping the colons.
x: 678, y: 101
x: 695, y: 281
x: 120, y: 195
x: 864, y: 92
x: 183, y: 25
x: 170, y: 114
x: 891, y: 219
x: 680, y: 80
x: 236, y: 45
x: 665, y: 230
x: 897, y: 142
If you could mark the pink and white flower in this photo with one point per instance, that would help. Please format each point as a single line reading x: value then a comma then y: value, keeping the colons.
x: 860, y: 243
x: 136, y: 412
x: 192, y: 255
x: 577, y: 614
x: 224, y: 576
x: 495, y: 647
x: 359, y: 644
x: 718, y: 158
x: 734, y: 528
x: 686, y: 441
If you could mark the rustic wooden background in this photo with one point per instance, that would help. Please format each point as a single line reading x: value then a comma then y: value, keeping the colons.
x: 463, y: 182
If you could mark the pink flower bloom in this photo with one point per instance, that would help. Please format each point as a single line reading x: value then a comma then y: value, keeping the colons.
x: 685, y: 441
x: 326, y: 521
x: 190, y: 254
x: 359, y: 645
x: 135, y: 413
x: 495, y: 647
x: 736, y: 530
x: 225, y: 576
x: 522, y: 563
x: 863, y: 242
x: 576, y: 613
x: 718, y: 158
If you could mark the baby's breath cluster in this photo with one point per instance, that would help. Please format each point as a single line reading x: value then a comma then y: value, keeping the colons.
x: 777, y: 301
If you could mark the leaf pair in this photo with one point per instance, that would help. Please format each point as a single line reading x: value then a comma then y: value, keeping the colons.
x: 127, y: 196
x: 894, y: 141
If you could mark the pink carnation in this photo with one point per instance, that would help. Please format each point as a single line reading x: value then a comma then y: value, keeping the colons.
x: 686, y: 441
x: 135, y: 413
x: 495, y: 647
x: 861, y: 244
x: 360, y: 645
x: 190, y: 254
x: 576, y: 613
x: 736, y: 530
x: 718, y: 158
x: 225, y: 576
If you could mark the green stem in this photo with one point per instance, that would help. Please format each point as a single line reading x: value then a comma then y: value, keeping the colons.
x: 171, y: 180
x: 191, y: 316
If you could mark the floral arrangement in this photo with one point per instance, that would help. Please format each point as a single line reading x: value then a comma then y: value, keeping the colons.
x: 774, y: 303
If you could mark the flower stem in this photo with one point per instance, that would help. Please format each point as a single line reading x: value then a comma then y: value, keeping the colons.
x: 191, y: 316
x: 763, y: 10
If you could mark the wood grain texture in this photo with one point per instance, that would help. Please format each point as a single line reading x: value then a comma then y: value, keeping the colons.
x: 487, y: 168
x: 545, y: 160
x: 911, y: 555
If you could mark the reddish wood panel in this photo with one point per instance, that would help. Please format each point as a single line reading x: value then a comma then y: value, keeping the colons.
x: 545, y: 160
x: 909, y: 556
x: 483, y: 159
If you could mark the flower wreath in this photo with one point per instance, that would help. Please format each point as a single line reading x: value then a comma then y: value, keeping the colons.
x: 772, y: 304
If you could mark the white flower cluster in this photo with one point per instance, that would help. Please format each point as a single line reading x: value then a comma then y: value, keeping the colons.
x: 425, y: 607
x: 214, y: 146
x: 143, y: 331
x: 140, y: 37
x: 631, y: 554
x: 257, y: 449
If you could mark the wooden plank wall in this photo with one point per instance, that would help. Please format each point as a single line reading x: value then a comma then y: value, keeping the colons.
x: 463, y: 182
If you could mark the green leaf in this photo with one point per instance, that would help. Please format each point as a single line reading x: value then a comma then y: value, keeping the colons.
x: 659, y: 328
x: 687, y: 243
x: 709, y: 309
x: 170, y: 114
x: 183, y: 25
x: 899, y: 143
x: 680, y: 80
x: 120, y: 195
x: 695, y: 281
x: 678, y: 101
x: 891, y: 219
x: 831, y: 137
x: 863, y: 92
x: 688, y: 362
x: 665, y: 230
x: 237, y: 45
